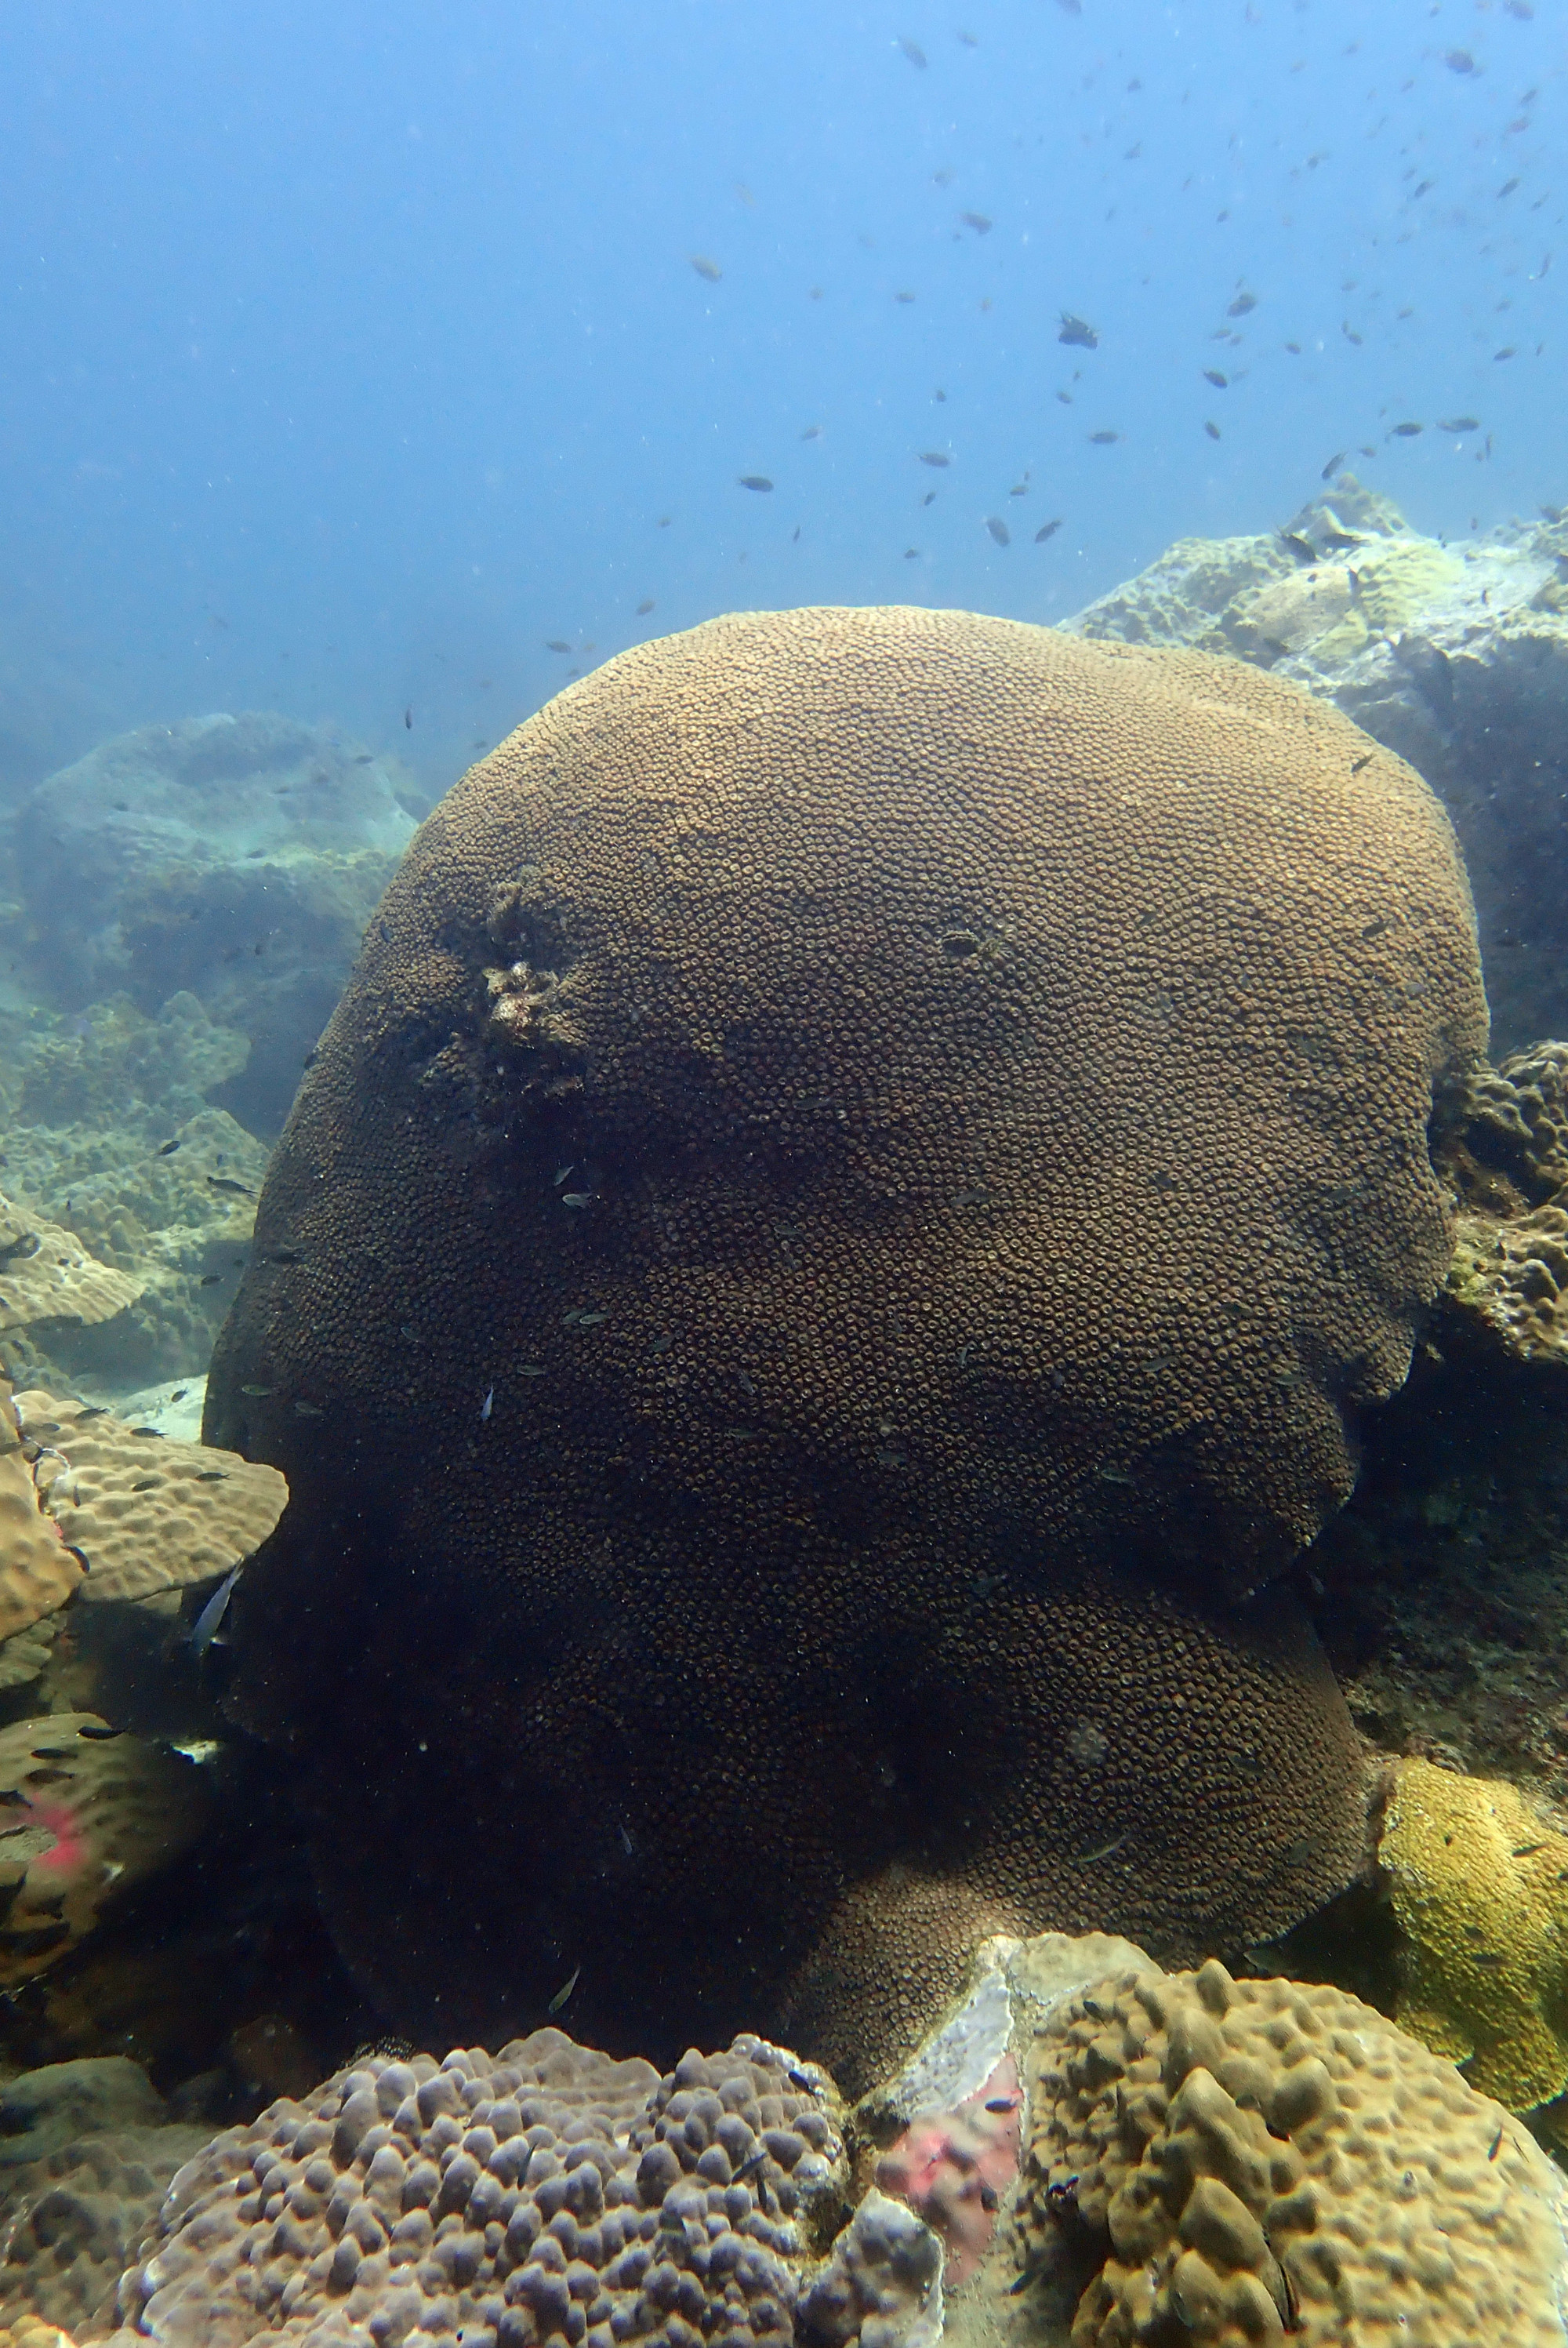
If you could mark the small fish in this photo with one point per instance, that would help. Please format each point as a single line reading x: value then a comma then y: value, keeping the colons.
x: 1496, y: 2143
x: 555, y: 645
x: 210, y: 1280
x: 1350, y: 334
x: 1527, y: 1850
x: 576, y: 1198
x: 812, y: 432
x: 1365, y: 760
x: 706, y: 268
x: 1103, y: 439
x: 911, y: 554
x: 1507, y: 188
x: 167, y: 1148
x: 934, y: 457
x: 204, y: 1630
x: 1050, y: 530
x: 1078, y: 331
x: 1301, y: 547
x: 590, y: 1320
x: 1459, y: 424
x: 309, y: 1410
x: 221, y: 1182
x: 1508, y: 350
x: 1405, y: 431
x: 531, y: 1370
x: 1220, y: 382
x: 408, y: 717
x: 903, y: 297
x: 913, y: 51
x: 1460, y: 61
x: 564, y: 1992
x: 1424, y: 190
x: 257, y: 1391
x: 998, y: 531
x: 754, y: 481
x: 978, y: 222
x: 213, y: 1475
x: 287, y: 1255
x: 487, y: 1404
x: 1241, y: 305
x: 645, y: 607
x: 625, y: 1840
x: 1332, y: 467
x: 1212, y: 429
x: 1106, y: 1850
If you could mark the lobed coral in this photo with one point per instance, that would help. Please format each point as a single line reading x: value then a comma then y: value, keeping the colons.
x: 1261, y: 2160
x: 546, y: 2192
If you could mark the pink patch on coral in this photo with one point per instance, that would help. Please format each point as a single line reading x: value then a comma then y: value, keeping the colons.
x: 953, y: 2167
x: 69, y: 1849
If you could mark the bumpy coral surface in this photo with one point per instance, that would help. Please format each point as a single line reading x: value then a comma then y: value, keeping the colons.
x: 1480, y: 1891
x: 855, y: 1135
x: 546, y: 2192
x: 1259, y: 2160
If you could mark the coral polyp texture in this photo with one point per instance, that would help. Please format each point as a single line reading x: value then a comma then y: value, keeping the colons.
x: 1509, y: 1278
x: 1263, y: 2161
x: 866, y: 1166
x: 546, y: 2192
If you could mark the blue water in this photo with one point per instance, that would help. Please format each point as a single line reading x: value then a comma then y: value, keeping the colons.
x: 349, y: 355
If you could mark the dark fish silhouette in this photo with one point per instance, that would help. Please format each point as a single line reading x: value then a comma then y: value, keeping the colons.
x: 645, y: 607
x: 1220, y: 382
x: 1213, y: 429
x: 1103, y: 439
x: 978, y: 222
x: 706, y: 268
x: 408, y: 718
x: 1049, y: 532
x: 1241, y: 305
x: 1078, y: 330
x: 913, y: 51
x: 555, y: 645
x: 998, y: 531
x: 1405, y: 431
x: 1332, y: 467
x: 934, y: 457
x: 754, y: 481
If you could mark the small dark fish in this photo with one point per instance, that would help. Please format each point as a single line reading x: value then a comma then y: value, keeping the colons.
x: 913, y: 51
x: 1459, y: 424
x: 1332, y: 467
x: 221, y: 1182
x: 911, y: 554
x: 1241, y: 305
x: 1490, y: 1958
x: 929, y: 498
x: 555, y: 645
x: 903, y: 297
x: 287, y: 1255
x: 645, y: 607
x: 99, y: 1735
x: 167, y: 1148
x: 148, y: 1430
x: 754, y: 481
x: 978, y: 222
x: 257, y: 1391
x: 179, y: 1394
x: 1527, y: 1850
x: 1078, y: 330
x: 998, y: 531
x: 1001, y: 2103
x: 204, y: 1630
x: 1364, y: 760
x: 1049, y: 532
x: 408, y: 717
x: 309, y: 1410
x: 1211, y: 427
x: 706, y: 268
x: 1103, y: 439
x: 210, y: 1280
x: 1405, y: 431
x: 934, y: 457
x: 1460, y: 61
x: 1301, y: 547
x: 1220, y: 382
x: 564, y: 1992
x: 1295, y: 349
x: 1507, y: 188
x: 1424, y: 190
x: 1350, y: 334
x: 1496, y: 2143
x: 1508, y: 351
x: 1106, y: 1850
x: 812, y: 432
x: 213, y: 1475
x: 18, y: 1250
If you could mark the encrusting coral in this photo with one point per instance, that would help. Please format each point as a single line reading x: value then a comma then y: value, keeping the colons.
x: 1509, y: 1278
x: 867, y: 1163
x: 1480, y: 1891
x: 1261, y: 2161
x: 46, y: 1274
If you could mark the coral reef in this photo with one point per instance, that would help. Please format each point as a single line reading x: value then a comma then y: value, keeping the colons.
x: 86, y: 2152
x: 235, y: 858
x: 1509, y: 1278
x: 45, y: 1275
x: 545, y: 2190
x: 1253, y: 2160
x: 90, y: 1811
x: 1454, y: 657
x: 1481, y: 1891
x: 847, y: 1188
x: 953, y: 2167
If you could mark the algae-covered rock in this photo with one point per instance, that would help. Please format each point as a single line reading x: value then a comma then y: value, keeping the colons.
x: 1481, y: 1892
x: 1454, y: 656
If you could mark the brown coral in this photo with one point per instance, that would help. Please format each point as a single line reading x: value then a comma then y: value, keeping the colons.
x: 1253, y: 2159
x: 37, y: 1571
x: 544, y: 2192
x: 855, y: 1135
x: 1508, y: 1283
x: 46, y: 1274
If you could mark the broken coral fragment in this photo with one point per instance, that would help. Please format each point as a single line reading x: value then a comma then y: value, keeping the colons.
x: 954, y: 2168
x: 46, y: 1274
x: 146, y: 1512
x: 85, y: 1813
x: 1480, y: 1894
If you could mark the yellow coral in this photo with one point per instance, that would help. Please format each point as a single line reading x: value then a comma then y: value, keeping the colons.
x: 1481, y: 1891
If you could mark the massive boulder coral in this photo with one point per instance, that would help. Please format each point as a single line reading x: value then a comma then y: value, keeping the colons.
x: 1261, y: 2160
x: 840, y: 1229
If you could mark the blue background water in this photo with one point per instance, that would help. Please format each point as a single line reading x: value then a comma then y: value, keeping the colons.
x: 350, y: 353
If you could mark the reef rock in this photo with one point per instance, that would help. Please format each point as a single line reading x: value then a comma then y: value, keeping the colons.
x: 236, y: 858
x: 833, y: 1244
x: 1454, y: 656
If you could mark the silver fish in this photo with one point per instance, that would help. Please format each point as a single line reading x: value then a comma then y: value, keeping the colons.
x: 204, y: 1630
